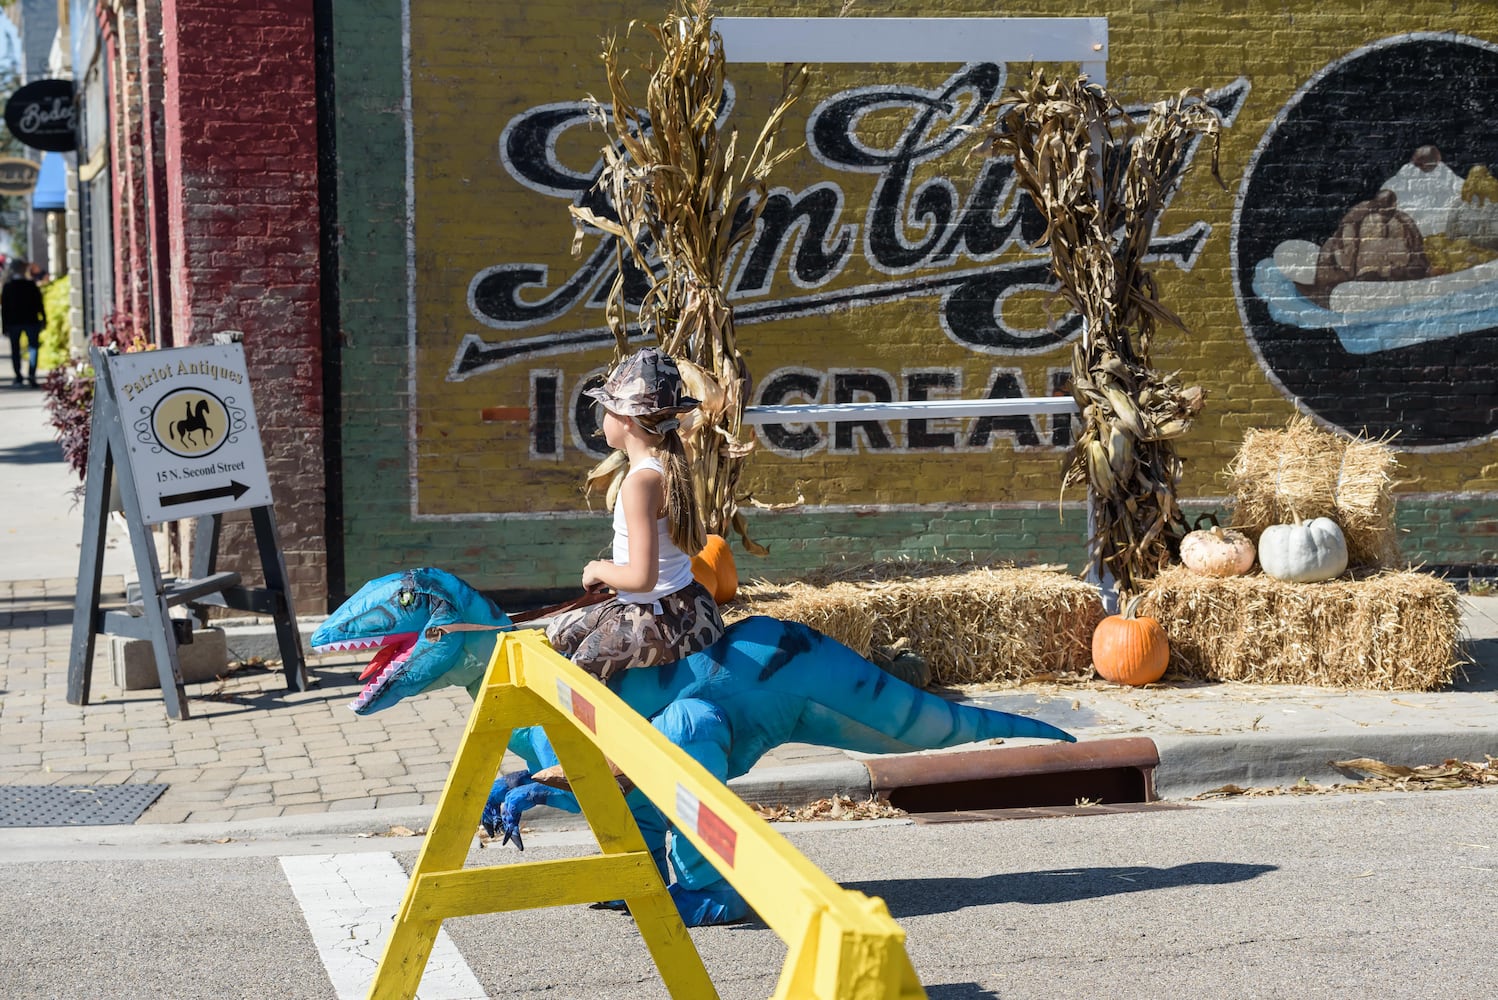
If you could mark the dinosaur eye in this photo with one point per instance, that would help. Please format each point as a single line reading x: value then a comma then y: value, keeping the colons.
x: 406, y: 598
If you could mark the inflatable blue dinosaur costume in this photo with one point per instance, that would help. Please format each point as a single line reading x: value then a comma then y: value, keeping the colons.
x: 764, y: 683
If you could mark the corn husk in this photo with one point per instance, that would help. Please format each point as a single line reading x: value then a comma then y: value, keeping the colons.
x: 683, y: 199
x: 1391, y: 631
x: 1100, y: 179
x: 1302, y: 471
x: 971, y: 624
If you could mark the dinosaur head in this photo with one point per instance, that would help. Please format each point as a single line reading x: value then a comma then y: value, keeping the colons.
x: 392, y: 614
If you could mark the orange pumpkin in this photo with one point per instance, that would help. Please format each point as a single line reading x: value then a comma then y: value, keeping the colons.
x: 1130, y: 650
x: 714, y: 568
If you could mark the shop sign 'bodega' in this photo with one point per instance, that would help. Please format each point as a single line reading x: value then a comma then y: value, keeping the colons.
x: 191, y: 430
x: 43, y: 116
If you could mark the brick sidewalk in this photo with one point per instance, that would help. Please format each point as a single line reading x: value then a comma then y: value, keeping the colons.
x: 251, y: 749
x: 254, y: 751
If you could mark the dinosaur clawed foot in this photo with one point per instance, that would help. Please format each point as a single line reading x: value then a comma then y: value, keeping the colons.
x: 609, y: 904
x: 698, y: 907
x: 709, y: 907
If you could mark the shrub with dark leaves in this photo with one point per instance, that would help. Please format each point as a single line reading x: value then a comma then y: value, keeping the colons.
x: 69, y: 389
x: 69, y: 400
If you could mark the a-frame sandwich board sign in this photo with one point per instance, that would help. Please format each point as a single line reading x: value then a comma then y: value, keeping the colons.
x: 178, y: 428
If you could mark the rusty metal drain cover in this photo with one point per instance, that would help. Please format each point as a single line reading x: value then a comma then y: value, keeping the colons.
x: 74, y: 805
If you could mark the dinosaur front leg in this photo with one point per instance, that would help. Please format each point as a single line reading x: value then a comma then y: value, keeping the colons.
x: 516, y: 792
x: 702, y: 895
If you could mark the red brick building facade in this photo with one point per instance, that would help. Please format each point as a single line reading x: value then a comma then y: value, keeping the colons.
x: 214, y: 160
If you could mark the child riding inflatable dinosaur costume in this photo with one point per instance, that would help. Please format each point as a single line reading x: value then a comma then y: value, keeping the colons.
x: 764, y: 683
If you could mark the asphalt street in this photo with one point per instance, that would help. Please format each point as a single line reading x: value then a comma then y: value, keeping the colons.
x: 1385, y: 895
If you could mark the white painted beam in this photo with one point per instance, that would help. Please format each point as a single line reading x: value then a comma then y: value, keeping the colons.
x: 916, y: 40
x: 928, y: 409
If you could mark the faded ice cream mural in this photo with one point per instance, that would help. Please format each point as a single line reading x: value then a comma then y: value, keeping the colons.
x: 1416, y: 262
x: 1366, y: 243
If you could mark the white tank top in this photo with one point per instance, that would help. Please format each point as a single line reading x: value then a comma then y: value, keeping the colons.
x: 675, y: 566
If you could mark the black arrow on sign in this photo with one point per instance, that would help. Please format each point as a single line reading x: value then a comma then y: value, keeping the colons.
x: 235, y: 489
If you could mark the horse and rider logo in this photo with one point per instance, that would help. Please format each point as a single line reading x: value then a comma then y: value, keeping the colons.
x: 190, y: 423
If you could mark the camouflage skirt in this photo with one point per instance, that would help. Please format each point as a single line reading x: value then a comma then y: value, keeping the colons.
x: 616, y: 635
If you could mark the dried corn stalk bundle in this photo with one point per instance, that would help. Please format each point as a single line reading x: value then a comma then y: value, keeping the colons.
x: 1394, y: 631
x: 971, y: 625
x: 1302, y: 471
x: 1101, y: 180
x: 683, y: 200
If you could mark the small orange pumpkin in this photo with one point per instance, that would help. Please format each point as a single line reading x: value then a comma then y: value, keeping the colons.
x: 1130, y: 650
x: 714, y: 568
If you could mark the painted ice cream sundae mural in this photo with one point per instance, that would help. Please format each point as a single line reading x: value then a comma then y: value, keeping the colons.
x: 1417, y: 262
x: 1365, y: 243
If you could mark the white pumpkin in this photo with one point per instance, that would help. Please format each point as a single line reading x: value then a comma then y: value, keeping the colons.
x: 1303, y: 552
x: 1217, y: 551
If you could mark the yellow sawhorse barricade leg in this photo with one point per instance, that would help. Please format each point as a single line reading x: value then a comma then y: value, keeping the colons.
x: 842, y: 944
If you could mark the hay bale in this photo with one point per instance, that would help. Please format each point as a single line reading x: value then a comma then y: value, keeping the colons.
x: 1305, y: 472
x: 1391, y: 631
x: 971, y: 624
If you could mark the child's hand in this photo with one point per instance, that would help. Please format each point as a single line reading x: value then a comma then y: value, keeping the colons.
x: 592, y: 582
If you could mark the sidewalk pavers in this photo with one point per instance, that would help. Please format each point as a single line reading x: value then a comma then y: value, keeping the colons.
x: 252, y: 749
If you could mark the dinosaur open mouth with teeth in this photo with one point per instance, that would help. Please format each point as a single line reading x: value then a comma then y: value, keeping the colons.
x: 384, y: 667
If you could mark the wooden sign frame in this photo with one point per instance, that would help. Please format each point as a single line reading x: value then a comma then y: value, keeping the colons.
x: 148, y: 617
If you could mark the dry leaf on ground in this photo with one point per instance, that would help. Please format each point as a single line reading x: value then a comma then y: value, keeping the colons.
x: 1382, y: 777
x: 834, y: 808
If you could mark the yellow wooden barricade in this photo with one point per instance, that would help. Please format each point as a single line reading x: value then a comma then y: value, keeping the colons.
x: 842, y: 944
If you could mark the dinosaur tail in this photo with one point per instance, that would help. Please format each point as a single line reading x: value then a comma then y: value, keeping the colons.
x: 857, y: 706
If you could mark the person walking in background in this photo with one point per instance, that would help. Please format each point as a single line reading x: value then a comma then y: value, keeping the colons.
x: 22, y: 313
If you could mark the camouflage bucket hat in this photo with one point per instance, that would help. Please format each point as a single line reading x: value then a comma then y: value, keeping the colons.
x: 645, y: 384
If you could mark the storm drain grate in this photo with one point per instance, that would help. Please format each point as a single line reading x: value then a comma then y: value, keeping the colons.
x: 74, y: 805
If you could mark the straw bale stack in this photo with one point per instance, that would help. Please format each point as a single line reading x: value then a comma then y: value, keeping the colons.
x: 972, y: 625
x: 1391, y: 631
x: 1302, y: 471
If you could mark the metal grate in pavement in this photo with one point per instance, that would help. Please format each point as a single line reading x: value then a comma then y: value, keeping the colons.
x: 74, y: 805
x: 1045, y: 812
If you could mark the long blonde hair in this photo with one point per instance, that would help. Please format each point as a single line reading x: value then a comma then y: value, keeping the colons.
x: 683, y: 519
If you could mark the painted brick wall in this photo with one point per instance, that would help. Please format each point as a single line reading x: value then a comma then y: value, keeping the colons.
x: 240, y: 134
x: 132, y: 278
x: 425, y: 480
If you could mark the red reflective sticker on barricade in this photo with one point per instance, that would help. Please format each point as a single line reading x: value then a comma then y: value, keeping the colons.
x: 718, y: 834
x: 583, y: 709
x: 707, y: 824
x: 580, y: 707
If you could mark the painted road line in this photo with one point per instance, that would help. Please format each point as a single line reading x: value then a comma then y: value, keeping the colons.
x: 350, y: 902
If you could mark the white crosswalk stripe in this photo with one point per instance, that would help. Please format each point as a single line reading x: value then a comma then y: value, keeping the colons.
x: 349, y: 902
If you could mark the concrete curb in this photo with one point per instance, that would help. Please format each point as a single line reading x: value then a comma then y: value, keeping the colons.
x: 365, y: 830
x: 1190, y: 765
x: 1168, y: 768
x: 803, y: 784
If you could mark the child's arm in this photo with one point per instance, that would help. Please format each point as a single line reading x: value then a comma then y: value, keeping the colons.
x: 643, y: 494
